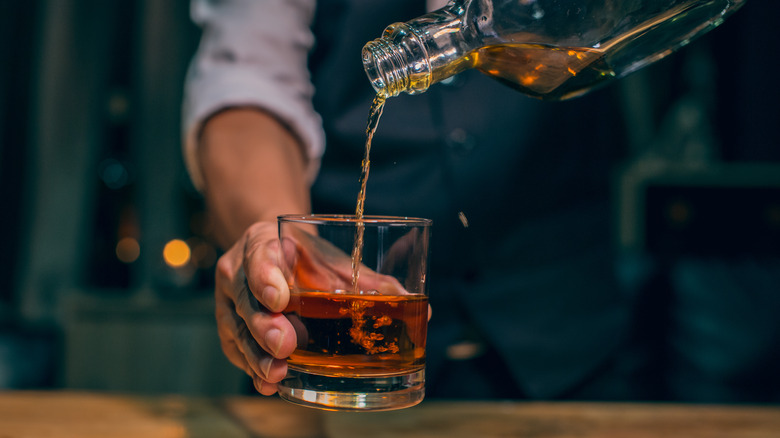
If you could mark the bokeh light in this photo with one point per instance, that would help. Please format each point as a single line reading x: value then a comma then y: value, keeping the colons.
x: 127, y: 250
x: 176, y: 253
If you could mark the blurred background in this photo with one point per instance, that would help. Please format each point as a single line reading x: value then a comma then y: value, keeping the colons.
x: 106, y: 266
x: 106, y: 269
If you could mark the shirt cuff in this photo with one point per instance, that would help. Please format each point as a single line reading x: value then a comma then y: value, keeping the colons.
x: 245, y: 89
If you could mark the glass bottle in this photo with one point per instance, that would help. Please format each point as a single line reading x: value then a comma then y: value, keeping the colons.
x: 550, y: 49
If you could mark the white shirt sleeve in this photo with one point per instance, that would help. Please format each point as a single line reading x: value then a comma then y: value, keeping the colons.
x: 252, y: 53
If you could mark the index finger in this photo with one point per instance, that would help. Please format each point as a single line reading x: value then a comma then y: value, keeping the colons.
x: 262, y: 267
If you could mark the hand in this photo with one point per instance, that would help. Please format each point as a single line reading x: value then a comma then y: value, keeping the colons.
x: 253, y: 169
x: 251, y: 293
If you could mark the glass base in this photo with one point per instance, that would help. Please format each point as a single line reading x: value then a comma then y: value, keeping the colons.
x: 375, y: 393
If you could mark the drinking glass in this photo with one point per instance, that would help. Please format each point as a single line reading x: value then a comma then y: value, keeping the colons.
x: 359, y: 306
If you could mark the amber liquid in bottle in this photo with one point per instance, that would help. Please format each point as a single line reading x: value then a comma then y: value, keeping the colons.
x: 546, y: 72
x: 554, y: 72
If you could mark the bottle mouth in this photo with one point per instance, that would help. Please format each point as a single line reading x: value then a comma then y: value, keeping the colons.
x: 397, y: 62
x: 385, y: 67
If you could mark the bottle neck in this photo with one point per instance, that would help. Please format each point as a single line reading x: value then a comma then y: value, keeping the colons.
x: 397, y: 62
x: 412, y: 56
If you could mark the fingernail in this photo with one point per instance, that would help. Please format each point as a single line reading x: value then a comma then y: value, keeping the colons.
x: 258, y: 383
x: 265, y: 365
x: 271, y: 297
x: 273, y: 340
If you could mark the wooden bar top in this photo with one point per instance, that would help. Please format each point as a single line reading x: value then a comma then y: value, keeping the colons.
x: 59, y: 414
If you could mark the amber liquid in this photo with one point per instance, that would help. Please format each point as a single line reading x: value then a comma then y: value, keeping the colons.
x: 374, y: 113
x: 542, y: 71
x: 553, y: 72
x: 358, y: 335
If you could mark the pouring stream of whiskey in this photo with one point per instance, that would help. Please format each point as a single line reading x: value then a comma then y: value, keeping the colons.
x: 357, y: 250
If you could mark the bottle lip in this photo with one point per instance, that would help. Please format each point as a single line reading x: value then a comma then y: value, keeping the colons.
x: 397, y: 62
x: 384, y: 67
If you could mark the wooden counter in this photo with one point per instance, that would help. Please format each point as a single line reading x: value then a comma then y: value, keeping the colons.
x: 93, y: 415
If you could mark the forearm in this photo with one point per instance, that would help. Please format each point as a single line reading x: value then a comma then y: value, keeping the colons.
x: 253, y: 169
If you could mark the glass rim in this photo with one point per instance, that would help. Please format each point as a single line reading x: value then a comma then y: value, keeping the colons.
x: 346, y: 219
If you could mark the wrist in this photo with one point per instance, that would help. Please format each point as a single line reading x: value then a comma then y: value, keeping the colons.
x: 253, y: 168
